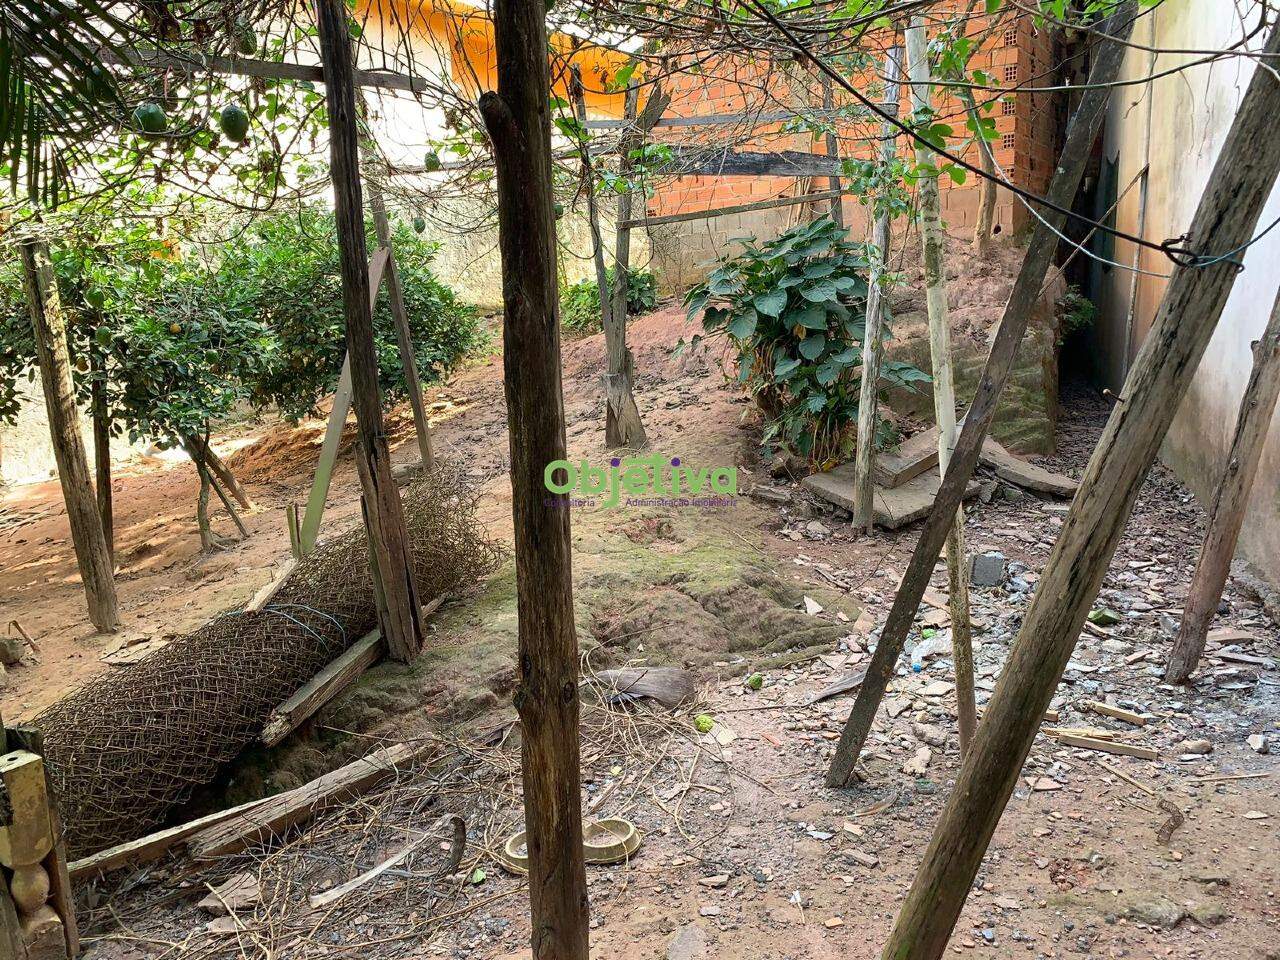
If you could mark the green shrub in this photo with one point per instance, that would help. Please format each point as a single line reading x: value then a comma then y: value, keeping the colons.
x: 580, y: 302
x: 794, y: 309
x: 288, y: 267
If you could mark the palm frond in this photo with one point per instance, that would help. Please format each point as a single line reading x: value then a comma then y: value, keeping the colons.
x: 55, y: 91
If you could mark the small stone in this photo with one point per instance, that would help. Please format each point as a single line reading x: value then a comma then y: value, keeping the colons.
x: 918, y: 763
x: 1103, y: 617
x: 812, y: 607
x: 718, y: 880
x: 1197, y: 747
x: 987, y: 569
x: 817, y: 530
x: 1258, y: 743
x: 928, y: 733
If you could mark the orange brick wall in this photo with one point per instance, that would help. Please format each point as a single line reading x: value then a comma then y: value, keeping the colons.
x: 1017, y: 52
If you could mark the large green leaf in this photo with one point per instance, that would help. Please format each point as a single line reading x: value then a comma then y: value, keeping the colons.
x: 772, y: 302
x: 820, y: 292
x: 811, y: 347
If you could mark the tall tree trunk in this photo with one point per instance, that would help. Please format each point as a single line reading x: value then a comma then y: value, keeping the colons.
x: 1230, y: 502
x: 833, y: 148
x: 933, y: 242
x: 1242, y: 180
x: 102, y: 459
x: 92, y: 555
x: 387, y: 534
x: 517, y: 117
x: 964, y: 458
x: 987, y: 187
x: 872, y: 347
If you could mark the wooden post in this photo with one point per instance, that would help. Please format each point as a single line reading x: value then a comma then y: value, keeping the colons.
x: 399, y: 313
x: 387, y: 534
x: 1241, y: 182
x: 593, y: 209
x: 102, y: 460
x: 1230, y: 500
x: 872, y: 348
x: 518, y: 119
x: 92, y: 556
x: 932, y: 239
x: 964, y: 458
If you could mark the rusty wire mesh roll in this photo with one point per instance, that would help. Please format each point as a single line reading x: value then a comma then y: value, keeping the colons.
x: 127, y: 747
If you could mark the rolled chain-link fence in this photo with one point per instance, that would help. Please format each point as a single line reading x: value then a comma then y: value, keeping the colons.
x: 127, y: 747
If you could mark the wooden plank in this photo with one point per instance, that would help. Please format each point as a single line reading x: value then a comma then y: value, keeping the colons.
x: 154, y: 845
x: 336, y: 677
x: 727, y: 162
x: 1107, y: 746
x: 265, y: 595
x: 337, y: 424
x: 915, y: 455
x: 1017, y: 471
x: 285, y: 810
x: 727, y: 211
x: 1118, y: 713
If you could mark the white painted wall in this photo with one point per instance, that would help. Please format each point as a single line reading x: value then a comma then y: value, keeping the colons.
x: 1191, y: 112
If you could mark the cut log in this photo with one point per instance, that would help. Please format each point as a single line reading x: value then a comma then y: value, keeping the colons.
x: 670, y: 686
x: 1118, y: 713
x: 1107, y: 746
x: 913, y: 457
x: 1023, y: 474
x: 893, y: 508
x: 274, y: 816
x: 336, y: 677
x: 154, y: 845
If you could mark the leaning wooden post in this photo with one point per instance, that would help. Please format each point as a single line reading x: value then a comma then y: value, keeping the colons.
x: 1224, y: 222
x: 872, y: 348
x: 933, y: 241
x: 518, y: 119
x: 399, y: 313
x: 1081, y: 132
x: 387, y: 534
x: 1230, y: 501
x: 833, y: 149
x: 92, y: 555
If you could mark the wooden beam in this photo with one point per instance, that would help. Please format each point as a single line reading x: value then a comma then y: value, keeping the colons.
x: 93, y: 556
x: 154, y: 845
x: 1230, y: 501
x: 1242, y: 179
x: 518, y: 121
x: 263, y: 69
x: 310, y: 529
x: 333, y: 679
x: 275, y: 815
x: 727, y: 162
x: 1081, y: 132
x: 388, y: 537
x: 727, y: 211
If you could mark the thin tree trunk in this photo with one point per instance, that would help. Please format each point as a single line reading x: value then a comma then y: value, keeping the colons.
x: 964, y: 458
x: 944, y: 394
x: 987, y: 188
x: 387, y: 534
x: 623, y: 426
x: 872, y: 348
x: 593, y: 208
x: 92, y: 554
x: 833, y: 149
x: 102, y: 460
x: 517, y: 117
x: 1238, y: 188
x: 223, y: 474
x: 399, y: 313
x: 1230, y: 501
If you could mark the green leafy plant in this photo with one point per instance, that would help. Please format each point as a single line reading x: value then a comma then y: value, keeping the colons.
x: 287, y: 266
x: 580, y: 302
x: 794, y: 310
x: 1077, y: 312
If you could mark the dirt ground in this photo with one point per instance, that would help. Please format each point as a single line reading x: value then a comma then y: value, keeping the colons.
x: 745, y: 853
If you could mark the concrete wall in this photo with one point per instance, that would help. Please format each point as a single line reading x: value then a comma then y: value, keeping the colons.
x: 1190, y: 114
